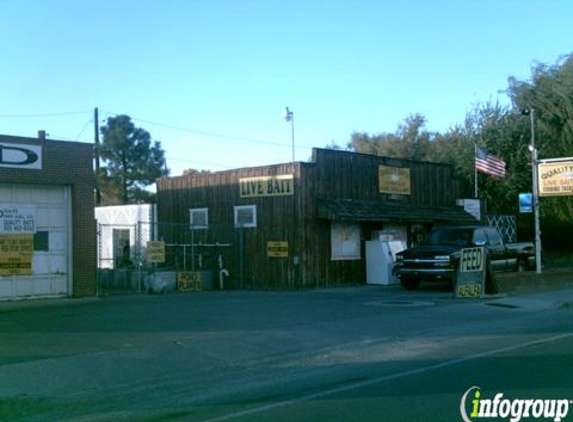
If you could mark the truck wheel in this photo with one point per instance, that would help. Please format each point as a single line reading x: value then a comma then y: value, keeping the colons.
x: 410, y: 284
x: 491, y: 286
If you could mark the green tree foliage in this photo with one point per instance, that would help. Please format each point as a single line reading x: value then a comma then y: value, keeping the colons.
x: 132, y: 162
x: 505, y: 133
x: 550, y: 93
x: 411, y: 141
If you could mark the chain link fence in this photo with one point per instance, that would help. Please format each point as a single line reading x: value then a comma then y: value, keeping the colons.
x: 154, y: 257
x: 506, y: 224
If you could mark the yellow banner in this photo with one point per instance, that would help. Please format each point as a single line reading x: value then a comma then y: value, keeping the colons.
x: 253, y: 187
x: 394, y: 180
x: 277, y: 249
x: 555, y: 179
x: 16, y: 254
x: 156, y: 252
x: 189, y: 281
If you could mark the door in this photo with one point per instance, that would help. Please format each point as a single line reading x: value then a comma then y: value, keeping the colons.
x: 496, y: 249
x: 47, y: 271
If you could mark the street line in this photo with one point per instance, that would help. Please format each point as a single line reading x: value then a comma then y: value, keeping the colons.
x: 385, y: 378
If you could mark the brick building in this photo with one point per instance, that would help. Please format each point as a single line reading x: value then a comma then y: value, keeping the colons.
x: 47, y: 225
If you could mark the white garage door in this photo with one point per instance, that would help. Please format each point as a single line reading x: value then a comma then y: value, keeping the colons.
x: 50, y: 273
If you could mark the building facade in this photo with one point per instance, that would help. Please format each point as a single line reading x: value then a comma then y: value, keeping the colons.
x: 123, y: 233
x: 47, y: 225
x: 301, y: 225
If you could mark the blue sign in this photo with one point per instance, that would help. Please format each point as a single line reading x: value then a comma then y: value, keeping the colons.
x: 525, y: 202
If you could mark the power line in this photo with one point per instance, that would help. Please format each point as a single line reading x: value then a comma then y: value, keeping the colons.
x: 26, y: 116
x: 203, y: 163
x: 83, y: 130
x: 215, y: 135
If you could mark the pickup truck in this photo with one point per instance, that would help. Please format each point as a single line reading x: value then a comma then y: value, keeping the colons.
x: 437, y: 258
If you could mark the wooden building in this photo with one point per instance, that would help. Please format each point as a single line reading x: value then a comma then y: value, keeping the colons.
x: 305, y: 224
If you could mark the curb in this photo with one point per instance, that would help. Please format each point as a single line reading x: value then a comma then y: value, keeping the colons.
x: 551, y: 279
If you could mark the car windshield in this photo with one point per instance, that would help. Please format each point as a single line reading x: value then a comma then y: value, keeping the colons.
x: 450, y: 237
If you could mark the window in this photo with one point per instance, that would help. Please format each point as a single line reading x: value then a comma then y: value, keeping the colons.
x: 246, y: 216
x: 480, y: 238
x: 42, y: 241
x: 199, y: 218
x: 493, y: 237
x: 345, y: 241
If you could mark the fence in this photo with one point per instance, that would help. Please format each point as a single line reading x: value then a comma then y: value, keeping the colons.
x: 506, y: 224
x: 128, y: 258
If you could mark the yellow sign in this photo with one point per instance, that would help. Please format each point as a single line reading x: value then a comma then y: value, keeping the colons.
x: 555, y: 179
x: 277, y: 249
x: 189, y: 281
x: 156, y: 252
x: 394, y: 180
x: 253, y: 187
x: 16, y: 254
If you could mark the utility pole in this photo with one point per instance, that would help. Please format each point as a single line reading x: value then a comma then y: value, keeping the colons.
x: 289, y: 117
x: 96, y: 154
x: 534, y: 161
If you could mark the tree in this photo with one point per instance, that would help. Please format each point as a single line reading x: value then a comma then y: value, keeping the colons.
x: 550, y: 93
x: 132, y: 161
x: 195, y: 172
x: 411, y: 141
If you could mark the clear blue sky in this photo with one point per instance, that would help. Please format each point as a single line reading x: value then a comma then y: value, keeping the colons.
x: 229, y: 67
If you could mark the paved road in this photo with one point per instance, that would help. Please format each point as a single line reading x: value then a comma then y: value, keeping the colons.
x: 364, y: 354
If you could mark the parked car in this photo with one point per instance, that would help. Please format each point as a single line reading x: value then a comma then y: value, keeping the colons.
x: 437, y: 258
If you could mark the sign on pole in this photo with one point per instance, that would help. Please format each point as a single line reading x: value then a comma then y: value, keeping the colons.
x: 555, y: 178
x: 156, y: 252
x: 525, y: 202
x: 470, y: 280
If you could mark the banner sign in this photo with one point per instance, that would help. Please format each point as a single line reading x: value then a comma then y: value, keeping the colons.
x: 16, y: 254
x: 21, y: 156
x: 253, y: 187
x: 525, y: 202
x: 394, y: 180
x: 277, y: 249
x: 470, y: 280
x: 17, y: 219
x: 156, y: 252
x: 189, y: 281
x: 555, y: 179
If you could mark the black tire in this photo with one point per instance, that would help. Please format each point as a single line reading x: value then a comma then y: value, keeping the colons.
x: 491, y: 286
x: 410, y: 283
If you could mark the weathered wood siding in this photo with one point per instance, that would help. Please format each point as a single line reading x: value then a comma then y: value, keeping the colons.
x: 277, y: 220
x: 347, y: 175
x: 339, y: 174
x: 331, y: 174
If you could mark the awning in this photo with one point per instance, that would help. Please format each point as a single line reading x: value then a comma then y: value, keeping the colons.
x: 348, y: 210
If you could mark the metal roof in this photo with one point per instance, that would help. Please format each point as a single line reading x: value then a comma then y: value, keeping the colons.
x: 390, y: 211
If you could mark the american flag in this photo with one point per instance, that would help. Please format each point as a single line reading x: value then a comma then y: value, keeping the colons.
x: 489, y: 164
